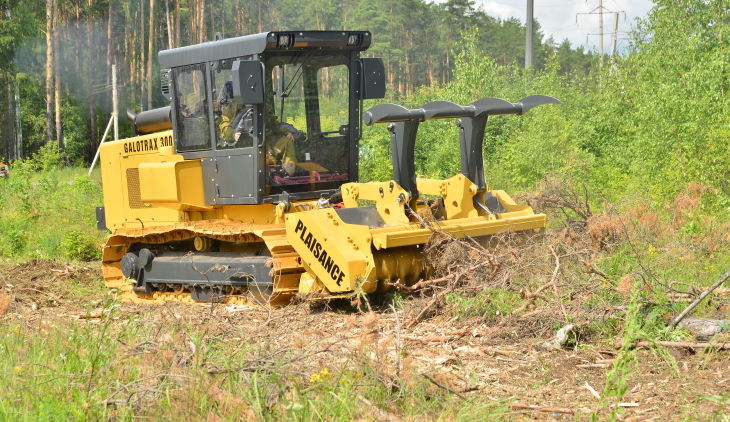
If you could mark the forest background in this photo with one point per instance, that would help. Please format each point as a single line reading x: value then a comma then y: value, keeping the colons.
x: 55, y: 65
x: 652, y: 122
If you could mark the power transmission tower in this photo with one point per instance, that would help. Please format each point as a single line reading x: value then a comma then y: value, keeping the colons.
x: 599, y: 11
x: 613, y: 39
x: 528, y: 40
x: 600, y: 29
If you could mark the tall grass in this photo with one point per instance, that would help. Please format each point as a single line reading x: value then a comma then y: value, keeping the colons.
x: 132, y: 367
x: 47, y: 210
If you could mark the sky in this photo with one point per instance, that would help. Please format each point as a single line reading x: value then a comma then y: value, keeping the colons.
x: 562, y: 18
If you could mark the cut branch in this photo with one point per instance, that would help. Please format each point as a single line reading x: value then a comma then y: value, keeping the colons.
x: 523, y: 406
x: 555, y: 286
x: 681, y: 345
x: 423, y: 283
x: 699, y: 299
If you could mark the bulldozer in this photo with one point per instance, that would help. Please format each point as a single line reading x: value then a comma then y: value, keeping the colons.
x: 245, y: 188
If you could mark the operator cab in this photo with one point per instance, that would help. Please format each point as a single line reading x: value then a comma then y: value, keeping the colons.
x: 274, y: 116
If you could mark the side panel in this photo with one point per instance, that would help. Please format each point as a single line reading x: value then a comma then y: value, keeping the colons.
x: 337, y: 253
x: 122, y: 181
x: 209, y: 181
x: 179, y: 185
x: 235, y: 175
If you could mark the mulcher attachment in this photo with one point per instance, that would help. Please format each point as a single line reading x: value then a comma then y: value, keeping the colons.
x: 471, y: 120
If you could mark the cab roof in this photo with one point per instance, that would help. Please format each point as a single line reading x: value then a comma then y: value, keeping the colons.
x: 247, y: 45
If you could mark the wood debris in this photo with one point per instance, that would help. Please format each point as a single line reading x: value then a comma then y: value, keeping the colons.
x: 562, y: 410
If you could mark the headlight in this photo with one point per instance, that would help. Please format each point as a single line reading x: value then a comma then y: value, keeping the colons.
x: 285, y: 40
x: 354, y: 40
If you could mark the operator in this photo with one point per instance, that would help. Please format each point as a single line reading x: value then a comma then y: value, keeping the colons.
x: 229, y: 115
x: 279, y: 142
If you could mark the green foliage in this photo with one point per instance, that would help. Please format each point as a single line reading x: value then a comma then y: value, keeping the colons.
x: 490, y: 303
x: 616, y: 385
x: 13, y: 241
x: 48, y: 211
x: 651, y: 124
x: 79, y: 246
x: 417, y: 39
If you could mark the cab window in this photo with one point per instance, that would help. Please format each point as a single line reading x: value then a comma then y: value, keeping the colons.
x: 233, y: 122
x: 193, y: 130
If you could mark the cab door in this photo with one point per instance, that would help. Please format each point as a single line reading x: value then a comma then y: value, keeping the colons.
x: 231, y: 171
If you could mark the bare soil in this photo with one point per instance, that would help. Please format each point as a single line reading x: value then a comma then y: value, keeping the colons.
x: 502, y: 360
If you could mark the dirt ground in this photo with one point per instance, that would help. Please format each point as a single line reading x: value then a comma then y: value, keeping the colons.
x: 491, y: 362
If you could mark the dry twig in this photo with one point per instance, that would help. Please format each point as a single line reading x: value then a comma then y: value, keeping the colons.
x: 699, y: 299
x: 450, y: 390
x: 591, y: 269
x: 423, y: 283
x: 555, y: 286
x: 381, y: 414
x: 524, y: 406
x: 682, y: 345
x: 435, y: 300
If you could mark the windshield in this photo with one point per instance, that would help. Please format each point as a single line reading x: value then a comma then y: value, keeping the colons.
x: 307, y: 121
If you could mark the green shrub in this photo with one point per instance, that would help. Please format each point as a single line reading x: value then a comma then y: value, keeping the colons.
x: 79, y: 246
x: 83, y: 184
x: 488, y: 303
x: 14, y: 242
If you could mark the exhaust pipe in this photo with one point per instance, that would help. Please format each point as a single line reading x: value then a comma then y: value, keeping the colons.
x: 151, y: 120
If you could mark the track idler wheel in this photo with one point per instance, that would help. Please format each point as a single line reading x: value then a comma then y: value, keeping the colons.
x: 130, y: 265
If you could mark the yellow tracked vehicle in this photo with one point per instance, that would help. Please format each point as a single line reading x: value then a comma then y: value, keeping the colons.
x: 246, y: 186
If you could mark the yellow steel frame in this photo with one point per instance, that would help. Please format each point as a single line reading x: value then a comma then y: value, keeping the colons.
x: 155, y: 196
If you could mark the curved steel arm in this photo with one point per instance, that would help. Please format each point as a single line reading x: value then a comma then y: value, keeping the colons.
x: 403, y: 126
x: 471, y: 120
x: 536, y: 100
x: 471, y: 131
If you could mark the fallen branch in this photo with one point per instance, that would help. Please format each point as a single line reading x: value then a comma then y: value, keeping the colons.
x: 591, y: 269
x: 680, y: 345
x: 680, y: 295
x: 429, y: 339
x: 452, y: 391
x: 381, y: 414
x: 423, y: 283
x: 531, y: 297
x: 402, y: 288
x: 524, y: 406
x: 536, y: 294
x: 592, y: 390
x: 555, y: 286
x: 473, y: 388
x: 699, y: 299
x: 435, y: 300
x: 96, y: 313
x: 50, y: 295
x: 511, y: 360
